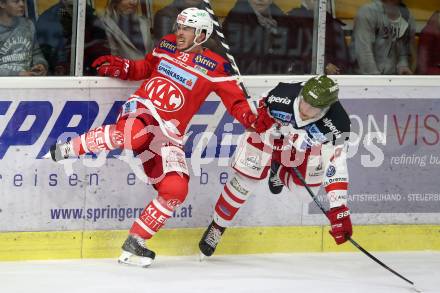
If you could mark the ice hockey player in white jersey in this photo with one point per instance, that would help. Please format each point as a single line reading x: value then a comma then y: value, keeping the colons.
x: 311, y: 134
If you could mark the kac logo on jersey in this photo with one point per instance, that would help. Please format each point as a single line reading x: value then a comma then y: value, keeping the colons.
x: 331, y: 171
x: 164, y: 94
x: 205, y: 62
x: 167, y: 46
x: 177, y: 74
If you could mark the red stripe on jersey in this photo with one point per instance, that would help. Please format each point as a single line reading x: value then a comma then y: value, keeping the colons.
x: 337, y: 186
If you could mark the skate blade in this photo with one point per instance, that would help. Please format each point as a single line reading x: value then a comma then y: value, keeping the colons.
x: 128, y: 258
x: 202, y: 257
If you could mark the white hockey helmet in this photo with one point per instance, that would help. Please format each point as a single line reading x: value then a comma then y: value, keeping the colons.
x: 198, y: 19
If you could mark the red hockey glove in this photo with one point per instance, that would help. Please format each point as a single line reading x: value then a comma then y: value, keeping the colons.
x: 341, y: 224
x: 260, y: 122
x: 112, y: 66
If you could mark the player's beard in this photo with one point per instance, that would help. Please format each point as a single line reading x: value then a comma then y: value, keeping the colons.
x: 187, y: 47
x: 182, y: 40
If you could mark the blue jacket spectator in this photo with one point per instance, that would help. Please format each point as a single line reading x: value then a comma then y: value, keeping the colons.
x: 54, y: 31
x: 337, y: 57
x: 259, y: 34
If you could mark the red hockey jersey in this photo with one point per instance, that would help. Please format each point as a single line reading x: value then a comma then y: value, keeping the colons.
x: 177, y: 83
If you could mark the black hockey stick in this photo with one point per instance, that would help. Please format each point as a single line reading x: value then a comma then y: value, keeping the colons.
x: 231, y: 59
x: 236, y: 70
x: 318, y: 203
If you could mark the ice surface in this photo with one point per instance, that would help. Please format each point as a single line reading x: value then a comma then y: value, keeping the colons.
x: 317, y: 272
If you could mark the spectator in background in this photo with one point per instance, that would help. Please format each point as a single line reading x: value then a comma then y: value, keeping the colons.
x: 54, y: 31
x: 382, y: 35
x: 165, y: 18
x: 19, y: 50
x: 337, y: 58
x: 259, y: 34
x: 428, y: 61
x: 128, y: 34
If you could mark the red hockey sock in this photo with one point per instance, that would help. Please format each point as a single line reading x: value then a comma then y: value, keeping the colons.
x: 234, y: 195
x: 151, y: 220
x: 172, y: 192
x: 226, y: 207
x: 109, y: 137
x: 102, y: 138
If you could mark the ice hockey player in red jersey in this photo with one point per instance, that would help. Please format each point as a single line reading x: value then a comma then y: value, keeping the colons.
x: 178, y: 76
x: 311, y: 134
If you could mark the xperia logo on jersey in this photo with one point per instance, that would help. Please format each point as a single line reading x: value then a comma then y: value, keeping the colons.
x: 177, y: 74
x: 167, y: 46
x: 332, y: 127
x: 274, y: 99
x: 205, y: 62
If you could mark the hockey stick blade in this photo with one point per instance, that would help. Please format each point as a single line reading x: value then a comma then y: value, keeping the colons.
x: 377, y: 260
x: 301, y: 178
x: 202, y: 257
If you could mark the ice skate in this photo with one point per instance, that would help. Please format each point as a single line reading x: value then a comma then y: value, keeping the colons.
x: 135, y: 253
x: 210, y: 239
x: 274, y: 182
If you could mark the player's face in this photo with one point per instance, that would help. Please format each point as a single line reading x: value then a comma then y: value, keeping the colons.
x: 13, y: 7
x: 126, y: 7
x: 184, y: 36
x: 306, y: 111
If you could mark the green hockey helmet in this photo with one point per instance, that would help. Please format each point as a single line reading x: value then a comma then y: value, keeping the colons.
x: 320, y: 91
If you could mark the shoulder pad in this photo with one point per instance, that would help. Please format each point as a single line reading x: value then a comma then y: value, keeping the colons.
x: 280, y: 101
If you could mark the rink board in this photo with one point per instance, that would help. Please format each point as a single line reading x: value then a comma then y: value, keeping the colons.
x: 393, y: 165
x: 250, y: 240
